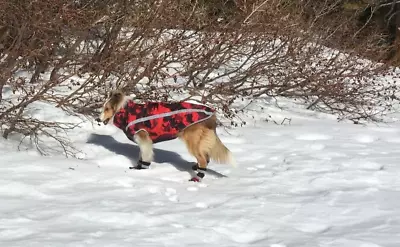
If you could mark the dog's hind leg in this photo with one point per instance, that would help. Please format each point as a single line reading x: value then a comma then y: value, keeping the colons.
x: 200, y: 168
x: 146, y: 150
x: 202, y: 153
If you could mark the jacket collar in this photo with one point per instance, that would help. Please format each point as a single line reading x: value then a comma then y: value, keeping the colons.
x: 121, y: 117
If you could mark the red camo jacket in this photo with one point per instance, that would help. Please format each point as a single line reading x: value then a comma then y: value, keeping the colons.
x: 163, y: 121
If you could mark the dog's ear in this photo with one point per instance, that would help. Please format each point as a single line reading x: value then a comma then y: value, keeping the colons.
x: 116, y: 97
x: 116, y: 94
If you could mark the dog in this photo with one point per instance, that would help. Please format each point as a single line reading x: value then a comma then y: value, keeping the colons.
x: 154, y: 122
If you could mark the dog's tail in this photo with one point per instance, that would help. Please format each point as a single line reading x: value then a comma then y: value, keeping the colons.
x: 220, y: 153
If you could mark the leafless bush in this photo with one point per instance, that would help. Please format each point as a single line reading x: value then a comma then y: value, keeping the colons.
x: 167, y: 50
x: 38, y: 44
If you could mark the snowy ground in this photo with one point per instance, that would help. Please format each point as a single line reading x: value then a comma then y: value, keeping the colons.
x: 314, y: 182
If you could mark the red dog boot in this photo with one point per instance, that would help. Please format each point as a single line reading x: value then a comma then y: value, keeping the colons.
x: 200, y: 175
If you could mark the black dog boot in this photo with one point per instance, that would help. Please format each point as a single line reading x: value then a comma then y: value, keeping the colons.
x: 200, y: 173
x: 141, y: 165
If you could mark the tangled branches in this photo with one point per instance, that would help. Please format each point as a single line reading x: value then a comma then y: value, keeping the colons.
x: 69, y: 54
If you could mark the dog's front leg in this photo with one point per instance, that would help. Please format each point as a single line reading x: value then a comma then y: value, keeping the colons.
x: 146, y: 150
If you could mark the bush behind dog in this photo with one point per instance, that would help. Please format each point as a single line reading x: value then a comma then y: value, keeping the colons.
x: 70, y: 53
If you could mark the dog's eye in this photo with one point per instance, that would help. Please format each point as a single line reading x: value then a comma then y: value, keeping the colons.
x: 107, y: 109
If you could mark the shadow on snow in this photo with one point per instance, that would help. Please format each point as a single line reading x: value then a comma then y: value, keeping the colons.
x: 131, y: 151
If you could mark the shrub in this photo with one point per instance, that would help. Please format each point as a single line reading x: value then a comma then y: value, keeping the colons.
x: 74, y: 52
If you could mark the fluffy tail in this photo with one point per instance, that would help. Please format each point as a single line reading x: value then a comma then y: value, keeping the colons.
x: 220, y: 153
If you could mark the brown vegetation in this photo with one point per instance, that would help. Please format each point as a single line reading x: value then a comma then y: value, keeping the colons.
x: 214, y: 53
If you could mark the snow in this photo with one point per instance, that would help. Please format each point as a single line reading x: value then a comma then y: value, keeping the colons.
x: 313, y: 182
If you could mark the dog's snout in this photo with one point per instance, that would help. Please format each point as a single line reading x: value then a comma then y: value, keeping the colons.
x: 98, y: 120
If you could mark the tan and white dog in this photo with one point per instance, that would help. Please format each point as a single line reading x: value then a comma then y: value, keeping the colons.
x: 153, y: 122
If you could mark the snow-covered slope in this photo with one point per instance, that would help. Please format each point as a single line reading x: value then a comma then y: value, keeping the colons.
x: 313, y: 182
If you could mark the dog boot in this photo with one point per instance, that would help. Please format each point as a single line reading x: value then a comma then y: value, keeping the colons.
x: 141, y: 165
x: 200, y: 173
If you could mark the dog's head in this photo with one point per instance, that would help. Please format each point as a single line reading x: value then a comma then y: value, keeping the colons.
x: 112, y: 105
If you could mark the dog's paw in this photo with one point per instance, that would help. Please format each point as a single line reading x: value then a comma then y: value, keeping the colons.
x: 195, y: 179
x: 141, y: 165
x: 137, y: 168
